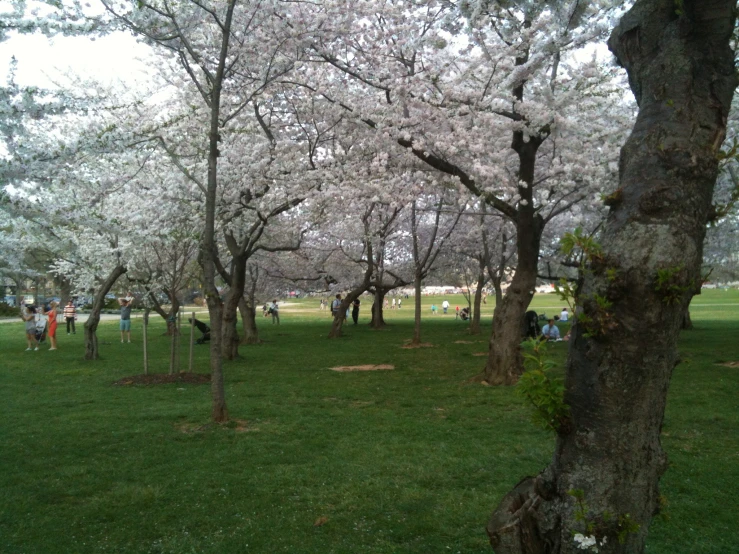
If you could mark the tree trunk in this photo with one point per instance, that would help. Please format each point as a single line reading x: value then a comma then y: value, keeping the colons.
x: 249, y: 320
x: 475, y: 322
x: 681, y: 69
x: 91, y: 325
x: 230, y: 331
x: 378, y: 321
x: 209, y: 249
x: 498, y: 288
x: 231, y: 305
x: 340, y: 317
x: 687, y: 323
x: 505, y: 364
x: 417, y: 314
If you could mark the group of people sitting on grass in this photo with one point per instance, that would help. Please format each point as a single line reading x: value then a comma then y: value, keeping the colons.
x: 550, y: 331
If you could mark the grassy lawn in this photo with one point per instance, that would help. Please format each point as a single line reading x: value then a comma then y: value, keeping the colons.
x: 405, y: 461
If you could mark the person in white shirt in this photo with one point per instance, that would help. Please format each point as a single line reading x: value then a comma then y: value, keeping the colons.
x: 564, y: 316
x: 445, y: 306
x: 550, y: 331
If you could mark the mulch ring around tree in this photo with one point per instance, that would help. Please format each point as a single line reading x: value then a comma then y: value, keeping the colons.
x: 165, y: 379
x: 367, y: 367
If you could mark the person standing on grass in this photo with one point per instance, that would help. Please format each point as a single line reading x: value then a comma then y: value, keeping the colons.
x: 445, y: 306
x: 393, y: 304
x: 456, y: 313
x: 52, y: 313
x: 125, y: 318
x: 400, y: 303
x: 355, y: 310
x: 275, y: 311
x: 29, y: 317
x: 70, y: 315
x: 335, y: 305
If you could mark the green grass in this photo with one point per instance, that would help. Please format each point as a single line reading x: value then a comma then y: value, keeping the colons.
x: 405, y: 461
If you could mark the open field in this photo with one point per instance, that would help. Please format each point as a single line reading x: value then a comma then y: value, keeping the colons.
x: 410, y: 460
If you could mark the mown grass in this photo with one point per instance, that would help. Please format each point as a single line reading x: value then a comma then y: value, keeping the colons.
x: 411, y: 460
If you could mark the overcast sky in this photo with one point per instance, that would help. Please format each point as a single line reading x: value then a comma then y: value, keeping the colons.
x: 42, y: 61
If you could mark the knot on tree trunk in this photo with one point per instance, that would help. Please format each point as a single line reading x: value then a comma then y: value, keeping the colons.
x: 525, y: 521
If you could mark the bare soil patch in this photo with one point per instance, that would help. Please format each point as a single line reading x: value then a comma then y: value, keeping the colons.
x: 464, y: 342
x: 730, y: 364
x: 419, y: 345
x: 480, y: 354
x: 165, y: 379
x: 367, y: 367
x: 238, y: 425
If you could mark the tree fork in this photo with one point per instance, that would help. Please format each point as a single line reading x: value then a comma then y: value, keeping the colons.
x: 681, y: 70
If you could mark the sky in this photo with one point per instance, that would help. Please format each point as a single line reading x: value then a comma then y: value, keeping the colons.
x: 43, y: 61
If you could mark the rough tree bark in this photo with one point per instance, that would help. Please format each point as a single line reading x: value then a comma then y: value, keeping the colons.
x: 249, y: 320
x: 91, y: 325
x: 681, y: 69
x: 231, y: 305
x: 378, y: 319
x: 504, y: 363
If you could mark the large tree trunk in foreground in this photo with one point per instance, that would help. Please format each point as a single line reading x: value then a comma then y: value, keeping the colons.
x: 249, y: 320
x: 682, y: 72
x: 91, y: 325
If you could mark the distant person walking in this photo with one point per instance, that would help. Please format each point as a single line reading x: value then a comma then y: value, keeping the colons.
x: 70, y: 315
x: 355, y: 310
x: 393, y: 304
x: 400, y: 303
x: 456, y: 313
x: 125, y: 317
x: 52, y: 313
x: 274, y: 309
x: 29, y: 317
x: 445, y: 306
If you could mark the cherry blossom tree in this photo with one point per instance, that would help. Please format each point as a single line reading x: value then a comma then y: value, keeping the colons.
x: 495, y: 96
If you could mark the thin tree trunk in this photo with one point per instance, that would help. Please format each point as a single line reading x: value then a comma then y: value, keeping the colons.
x: 417, y: 314
x: 622, y: 355
x: 475, y: 323
x: 91, y: 325
x: 249, y: 320
x: 209, y: 251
